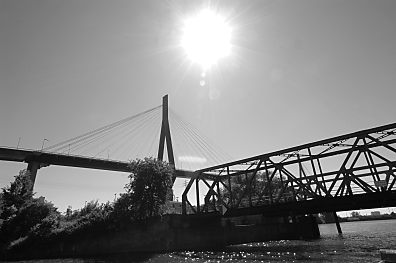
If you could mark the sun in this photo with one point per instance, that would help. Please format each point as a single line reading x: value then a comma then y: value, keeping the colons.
x: 206, y: 38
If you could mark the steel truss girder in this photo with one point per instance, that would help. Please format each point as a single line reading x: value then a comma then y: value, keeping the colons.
x: 355, y: 164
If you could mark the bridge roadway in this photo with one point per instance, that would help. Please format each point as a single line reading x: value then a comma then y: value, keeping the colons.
x: 47, y: 158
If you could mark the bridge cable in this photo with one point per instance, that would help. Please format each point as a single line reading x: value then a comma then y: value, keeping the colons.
x: 65, y: 144
x: 198, y: 145
x: 192, y: 135
x: 200, y: 140
x: 125, y: 132
x: 130, y: 137
x: 86, y: 141
x: 185, y: 140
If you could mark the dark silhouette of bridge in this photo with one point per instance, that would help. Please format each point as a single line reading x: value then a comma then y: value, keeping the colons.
x: 40, y: 159
x: 352, y: 171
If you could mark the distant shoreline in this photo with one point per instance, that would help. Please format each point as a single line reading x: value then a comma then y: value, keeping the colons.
x: 350, y: 219
x: 370, y: 219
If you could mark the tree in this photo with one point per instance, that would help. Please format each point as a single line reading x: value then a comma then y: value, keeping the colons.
x: 355, y: 214
x: 21, y: 212
x: 16, y: 195
x: 149, y: 188
x: 69, y: 212
x: 257, y: 188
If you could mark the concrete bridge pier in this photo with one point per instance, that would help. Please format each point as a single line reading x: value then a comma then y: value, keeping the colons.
x: 33, y: 168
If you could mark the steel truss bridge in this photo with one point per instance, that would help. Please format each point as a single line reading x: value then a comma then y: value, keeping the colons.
x: 353, y: 171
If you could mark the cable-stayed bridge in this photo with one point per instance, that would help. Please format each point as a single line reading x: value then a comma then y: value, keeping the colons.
x: 112, y: 146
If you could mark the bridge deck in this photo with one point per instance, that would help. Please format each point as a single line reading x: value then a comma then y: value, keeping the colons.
x: 47, y: 158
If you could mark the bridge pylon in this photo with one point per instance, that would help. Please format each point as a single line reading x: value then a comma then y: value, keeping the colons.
x: 165, y: 134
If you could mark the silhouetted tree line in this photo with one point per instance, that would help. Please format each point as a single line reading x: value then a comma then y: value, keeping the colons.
x: 25, y: 218
x: 258, y: 188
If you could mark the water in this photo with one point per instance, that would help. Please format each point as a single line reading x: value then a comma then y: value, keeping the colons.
x: 360, y: 242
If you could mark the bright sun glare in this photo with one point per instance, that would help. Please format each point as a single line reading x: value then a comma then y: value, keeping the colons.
x: 206, y: 38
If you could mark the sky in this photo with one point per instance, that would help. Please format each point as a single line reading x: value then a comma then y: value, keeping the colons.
x: 298, y: 71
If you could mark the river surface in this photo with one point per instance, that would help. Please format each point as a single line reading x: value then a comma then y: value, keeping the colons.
x: 360, y: 242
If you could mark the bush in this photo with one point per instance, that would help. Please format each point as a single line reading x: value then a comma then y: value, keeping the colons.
x: 28, y: 219
x: 30, y: 216
x: 46, y: 226
x: 93, y: 217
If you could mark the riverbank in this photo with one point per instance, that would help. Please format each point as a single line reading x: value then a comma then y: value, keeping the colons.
x: 164, y: 234
x: 360, y: 243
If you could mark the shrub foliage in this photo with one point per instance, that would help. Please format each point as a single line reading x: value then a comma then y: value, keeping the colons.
x: 22, y: 213
x: 25, y: 217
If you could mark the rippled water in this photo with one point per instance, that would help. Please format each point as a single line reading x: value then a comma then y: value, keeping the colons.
x: 360, y: 242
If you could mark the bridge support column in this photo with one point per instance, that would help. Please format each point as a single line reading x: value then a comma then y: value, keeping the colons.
x: 32, y: 168
x: 337, y: 223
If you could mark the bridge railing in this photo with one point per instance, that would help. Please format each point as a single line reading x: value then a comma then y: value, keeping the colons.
x: 360, y: 163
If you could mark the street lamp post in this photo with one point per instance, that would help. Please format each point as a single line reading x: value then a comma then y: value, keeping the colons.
x: 42, y: 145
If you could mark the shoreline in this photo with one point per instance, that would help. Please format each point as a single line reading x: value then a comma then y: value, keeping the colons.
x: 345, y: 220
x: 166, y: 234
